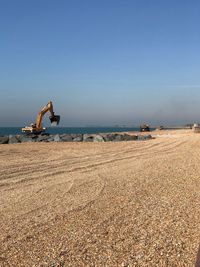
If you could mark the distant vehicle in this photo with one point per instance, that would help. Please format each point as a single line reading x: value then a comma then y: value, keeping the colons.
x: 160, y: 128
x: 144, y: 128
x: 36, y: 127
x: 196, y: 128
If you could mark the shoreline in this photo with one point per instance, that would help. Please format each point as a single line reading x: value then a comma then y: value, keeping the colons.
x: 87, y: 137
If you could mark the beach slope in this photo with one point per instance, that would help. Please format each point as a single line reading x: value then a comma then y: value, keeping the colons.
x: 101, y: 204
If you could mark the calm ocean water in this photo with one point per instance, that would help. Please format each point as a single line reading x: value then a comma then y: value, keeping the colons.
x: 61, y: 130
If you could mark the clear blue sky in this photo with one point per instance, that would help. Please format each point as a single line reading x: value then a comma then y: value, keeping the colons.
x: 101, y: 61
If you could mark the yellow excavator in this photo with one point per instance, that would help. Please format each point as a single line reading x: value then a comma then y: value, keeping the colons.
x: 36, y: 127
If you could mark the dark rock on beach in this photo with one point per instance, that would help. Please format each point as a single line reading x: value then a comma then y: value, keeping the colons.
x: 74, y: 136
x: 128, y: 137
x: 104, y: 137
x: 98, y: 138
x: 50, y: 138
x: 118, y: 137
x: 88, y: 138
x: 78, y: 138
x: 26, y: 139
x: 57, y: 138
x: 144, y: 137
x: 66, y: 138
x: 43, y: 138
x: 4, y: 139
x: 108, y: 137
x: 13, y: 139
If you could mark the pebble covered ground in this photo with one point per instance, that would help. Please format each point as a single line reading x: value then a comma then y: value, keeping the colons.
x: 101, y: 204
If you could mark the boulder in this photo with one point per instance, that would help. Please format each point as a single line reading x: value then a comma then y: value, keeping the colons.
x: 44, y: 133
x: 118, y: 138
x: 31, y: 135
x: 78, y: 138
x: 42, y: 138
x: 128, y: 137
x: 4, y: 139
x: 26, y: 139
x: 57, y: 138
x: 88, y: 138
x: 98, y: 138
x: 66, y: 138
x: 13, y: 139
x: 50, y: 138
x: 108, y: 137
x: 144, y: 137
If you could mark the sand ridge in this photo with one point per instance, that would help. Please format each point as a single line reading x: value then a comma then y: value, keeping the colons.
x: 101, y: 204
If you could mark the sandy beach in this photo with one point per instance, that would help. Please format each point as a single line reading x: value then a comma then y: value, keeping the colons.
x: 131, y: 203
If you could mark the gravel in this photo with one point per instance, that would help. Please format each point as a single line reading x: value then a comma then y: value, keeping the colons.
x: 101, y: 204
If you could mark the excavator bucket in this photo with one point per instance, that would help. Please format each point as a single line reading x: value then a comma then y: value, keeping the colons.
x: 54, y: 120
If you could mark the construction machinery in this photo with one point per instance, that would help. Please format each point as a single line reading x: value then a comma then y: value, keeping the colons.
x: 36, y: 127
x: 196, y: 128
x: 144, y: 128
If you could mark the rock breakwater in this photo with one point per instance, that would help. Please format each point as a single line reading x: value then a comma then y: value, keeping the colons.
x: 109, y: 137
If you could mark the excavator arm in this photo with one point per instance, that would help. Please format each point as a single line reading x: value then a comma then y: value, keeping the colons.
x: 48, y: 107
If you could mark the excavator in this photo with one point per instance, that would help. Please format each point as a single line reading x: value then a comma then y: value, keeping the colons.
x: 36, y: 127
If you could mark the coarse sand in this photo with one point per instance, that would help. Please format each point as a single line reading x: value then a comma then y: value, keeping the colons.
x: 130, y: 204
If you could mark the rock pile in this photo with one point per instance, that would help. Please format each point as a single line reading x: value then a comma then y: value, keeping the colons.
x: 104, y: 137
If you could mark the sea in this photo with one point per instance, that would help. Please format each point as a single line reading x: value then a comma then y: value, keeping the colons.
x: 71, y: 130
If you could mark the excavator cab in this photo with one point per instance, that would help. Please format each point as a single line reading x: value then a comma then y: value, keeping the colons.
x: 55, y: 119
